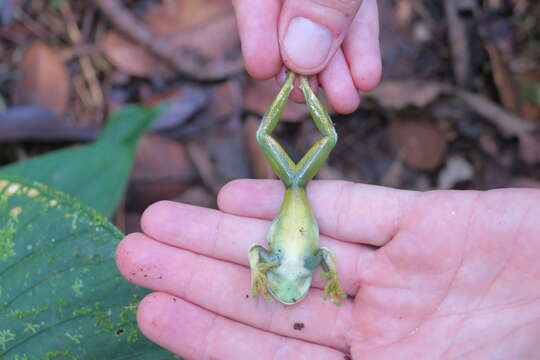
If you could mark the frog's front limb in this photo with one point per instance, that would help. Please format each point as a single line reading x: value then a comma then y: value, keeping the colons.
x: 332, y: 289
x: 260, y: 261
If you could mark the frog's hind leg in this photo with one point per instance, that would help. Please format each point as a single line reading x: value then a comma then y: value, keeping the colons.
x: 312, y: 161
x: 260, y: 261
x: 332, y: 288
x: 278, y: 159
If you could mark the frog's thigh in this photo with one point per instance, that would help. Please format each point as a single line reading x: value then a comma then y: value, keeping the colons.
x: 260, y: 258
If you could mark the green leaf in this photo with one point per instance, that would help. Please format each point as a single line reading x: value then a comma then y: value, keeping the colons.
x: 61, y: 296
x: 55, y: 4
x: 533, y: 93
x: 95, y: 174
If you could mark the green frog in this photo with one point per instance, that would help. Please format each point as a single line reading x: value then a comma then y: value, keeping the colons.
x: 284, y: 270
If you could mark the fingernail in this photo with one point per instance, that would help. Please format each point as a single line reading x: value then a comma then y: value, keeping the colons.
x: 306, y: 43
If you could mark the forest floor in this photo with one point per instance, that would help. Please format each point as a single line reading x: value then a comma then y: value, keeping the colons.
x: 458, y: 107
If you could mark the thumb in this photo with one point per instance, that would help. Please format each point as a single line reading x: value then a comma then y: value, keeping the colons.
x: 310, y: 31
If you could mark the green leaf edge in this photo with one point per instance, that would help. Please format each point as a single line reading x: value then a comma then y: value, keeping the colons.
x: 63, y: 199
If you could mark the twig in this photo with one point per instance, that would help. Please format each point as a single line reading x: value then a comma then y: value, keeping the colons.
x: 507, y: 122
x: 397, y: 95
x: 160, y: 47
x: 88, y: 70
x: 457, y: 36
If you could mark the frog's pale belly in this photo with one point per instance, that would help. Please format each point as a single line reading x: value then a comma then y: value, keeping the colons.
x: 294, y: 234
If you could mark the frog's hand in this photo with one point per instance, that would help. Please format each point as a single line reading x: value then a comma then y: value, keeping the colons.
x: 259, y: 266
x: 332, y: 288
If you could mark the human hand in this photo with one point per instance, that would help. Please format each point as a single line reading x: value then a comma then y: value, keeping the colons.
x: 335, y: 39
x: 436, y: 275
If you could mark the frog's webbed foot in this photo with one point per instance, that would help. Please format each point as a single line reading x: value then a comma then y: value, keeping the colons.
x: 259, y: 264
x: 332, y: 289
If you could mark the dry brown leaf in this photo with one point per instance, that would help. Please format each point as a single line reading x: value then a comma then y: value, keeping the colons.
x: 259, y: 94
x: 43, y: 80
x: 529, y: 148
x: 203, y: 32
x: 506, y: 85
x: 420, y: 144
x: 198, y: 196
x: 404, y: 13
x: 202, y: 160
x: 127, y: 56
x: 523, y: 182
x: 162, y: 170
x: 400, y: 94
x: 507, y: 122
x: 198, y: 38
x: 175, y: 15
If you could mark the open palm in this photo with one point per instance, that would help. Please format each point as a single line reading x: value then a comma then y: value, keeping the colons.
x: 442, y: 274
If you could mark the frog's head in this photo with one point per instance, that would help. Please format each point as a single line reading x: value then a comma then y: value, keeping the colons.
x: 289, y: 284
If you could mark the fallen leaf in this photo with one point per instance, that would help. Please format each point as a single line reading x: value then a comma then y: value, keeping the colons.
x: 227, y: 152
x: 506, y: 85
x: 259, y: 95
x: 129, y: 57
x: 162, y: 170
x: 456, y: 170
x: 396, y: 45
x: 507, y: 122
x: 182, y: 104
x: 404, y: 13
x: 205, y: 49
x: 226, y: 101
x: 171, y: 16
x: 529, y: 148
x: 489, y: 144
x: 494, y: 173
x: 203, y: 163
x: 399, y: 94
x: 421, y: 144
x: 35, y: 123
x: 523, y: 182
x: 222, y: 101
x: 198, y: 196
x: 43, y: 80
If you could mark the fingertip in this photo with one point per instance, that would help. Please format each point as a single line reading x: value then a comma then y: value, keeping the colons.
x: 261, y: 66
x: 175, y: 324
x: 238, y: 195
x: 151, y: 313
x: 362, y: 48
x: 124, y: 254
x: 346, y: 103
x: 339, y: 87
x: 232, y: 193
x: 257, y: 26
x: 226, y: 193
x: 367, y: 72
x: 156, y: 215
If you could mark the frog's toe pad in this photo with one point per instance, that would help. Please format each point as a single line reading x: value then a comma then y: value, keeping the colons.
x: 332, y: 289
x: 258, y: 285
